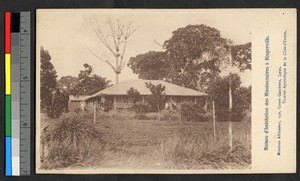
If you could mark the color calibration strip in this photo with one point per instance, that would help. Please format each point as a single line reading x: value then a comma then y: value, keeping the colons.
x: 17, y: 93
x: 8, y: 146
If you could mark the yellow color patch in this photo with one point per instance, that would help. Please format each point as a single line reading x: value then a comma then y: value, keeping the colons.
x: 7, y: 74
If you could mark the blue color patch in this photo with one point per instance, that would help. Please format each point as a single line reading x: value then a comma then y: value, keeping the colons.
x: 8, y: 157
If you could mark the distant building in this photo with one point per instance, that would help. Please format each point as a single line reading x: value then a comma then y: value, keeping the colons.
x: 175, y: 94
x: 77, y: 103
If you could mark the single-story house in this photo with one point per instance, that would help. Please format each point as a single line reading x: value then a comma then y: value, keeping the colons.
x: 175, y: 94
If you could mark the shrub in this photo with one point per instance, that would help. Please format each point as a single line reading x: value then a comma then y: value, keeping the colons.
x: 203, y: 153
x: 121, y: 114
x: 241, y: 97
x: 169, y: 116
x: 107, y: 105
x: 70, y: 141
x: 224, y: 115
x: 141, y: 107
x: 152, y: 116
x: 133, y: 95
x: 58, y: 105
x: 62, y: 155
x: 73, y: 129
x: 157, y: 99
x: 141, y: 116
x: 191, y: 111
x: 148, y: 116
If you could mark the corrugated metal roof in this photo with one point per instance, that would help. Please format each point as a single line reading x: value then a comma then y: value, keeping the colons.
x: 140, y: 85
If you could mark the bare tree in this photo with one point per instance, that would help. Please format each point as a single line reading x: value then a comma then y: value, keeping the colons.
x: 118, y: 34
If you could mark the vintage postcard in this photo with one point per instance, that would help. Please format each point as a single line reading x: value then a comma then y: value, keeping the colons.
x: 165, y: 91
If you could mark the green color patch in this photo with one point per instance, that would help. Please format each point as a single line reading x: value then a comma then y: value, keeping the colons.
x: 7, y: 115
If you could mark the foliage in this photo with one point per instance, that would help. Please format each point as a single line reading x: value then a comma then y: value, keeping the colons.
x: 67, y: 83
x: 89, y: 83
x: 204, y: 153
x: 141, y: 116
x: 59, y: 104
x: 53, y: 100
x: 153, y: 144
x: 70, y: 140
x: 157, y: 98
x: 133, y: 95
x: 107, y: 105
x: 219, y: 91
x: 48, y: 80
x: 193, y: 57
x: 151, y: 65
x: 244, y: 93
x: 192, y: 49
x: 241, y: 55
x: 65, y: 155
x: 166, y: 115
x: 62, y: 156
x: 191, y: 111
x: 74, y: 129
x: 141, y: 107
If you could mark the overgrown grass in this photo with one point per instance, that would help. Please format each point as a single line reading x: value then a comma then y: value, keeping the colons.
x: 70, y: 141
x: 199, y: 153
x: 120, y: 140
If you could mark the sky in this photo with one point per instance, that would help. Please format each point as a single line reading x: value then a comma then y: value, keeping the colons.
x: 68, y: 35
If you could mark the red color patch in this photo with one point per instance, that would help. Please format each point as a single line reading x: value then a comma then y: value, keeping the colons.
x: 7, y: 32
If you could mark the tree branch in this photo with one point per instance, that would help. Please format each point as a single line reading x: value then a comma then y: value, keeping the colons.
x: 120, y: 35
x: 158, y: 43
x: 101, y: 36
x: 104, y: 60
x: 113, y: 32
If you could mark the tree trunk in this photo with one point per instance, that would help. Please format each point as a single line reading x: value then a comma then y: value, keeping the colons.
x: 230, y: 135
x: 117, y: 78
x: 230, y: 108
x: 117, y: 66
x: 214, y: 119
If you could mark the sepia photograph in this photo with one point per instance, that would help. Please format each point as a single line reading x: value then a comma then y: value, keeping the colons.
x: 143, y: 91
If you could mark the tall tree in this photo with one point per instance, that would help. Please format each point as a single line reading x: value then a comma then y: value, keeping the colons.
x: 152, y: 65
x: 241, y: 55
x: 67, y: 82
x: 48, y: 81
x: 89, y: 83
x: 194, y: 56
x: 119, y: 35
x: 193, y: 49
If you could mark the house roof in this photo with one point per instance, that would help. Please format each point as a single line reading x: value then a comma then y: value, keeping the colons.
x: 140, y: 85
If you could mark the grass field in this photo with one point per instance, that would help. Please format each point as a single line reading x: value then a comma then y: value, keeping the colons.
x: 127, y: 142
